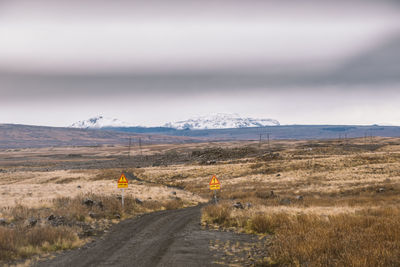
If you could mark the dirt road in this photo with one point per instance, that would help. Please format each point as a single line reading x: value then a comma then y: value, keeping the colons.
x: 166, y: 238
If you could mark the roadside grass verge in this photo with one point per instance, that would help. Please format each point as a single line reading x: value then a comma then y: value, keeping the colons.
x: 370, y: 237
x: 68, y: 223
x: 22, y: 242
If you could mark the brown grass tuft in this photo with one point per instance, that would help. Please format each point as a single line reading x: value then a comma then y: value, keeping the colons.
x: 20, y: 242
x: 173, y: 204
x: 369, y: 238
x: 20, y: 239
x: 219, y: 214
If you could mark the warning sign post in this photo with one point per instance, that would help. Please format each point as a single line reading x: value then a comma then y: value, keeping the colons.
x: 214, y: 186
x: 122, y: 183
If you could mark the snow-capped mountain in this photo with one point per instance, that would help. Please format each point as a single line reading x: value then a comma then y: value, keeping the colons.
x: 99, y: 122
x: 221, y: 121
x: 217, y: 121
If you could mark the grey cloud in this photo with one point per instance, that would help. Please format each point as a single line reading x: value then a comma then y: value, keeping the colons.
x: 298, y: 95
x: 379, y: 65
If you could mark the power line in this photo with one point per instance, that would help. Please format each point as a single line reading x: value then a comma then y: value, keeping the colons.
x: 129, y: 150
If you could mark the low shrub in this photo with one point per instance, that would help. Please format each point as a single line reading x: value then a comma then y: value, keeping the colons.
x: 261, y: 223
x: 219, y: 214
x: 20, y: 242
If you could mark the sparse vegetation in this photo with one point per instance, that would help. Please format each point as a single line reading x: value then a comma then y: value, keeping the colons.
x: 318, y: 203
x: 219, y: 214
x: 325, y: 207
x: 67, y: 223
x: 21, y: 242
x: 367, y: 238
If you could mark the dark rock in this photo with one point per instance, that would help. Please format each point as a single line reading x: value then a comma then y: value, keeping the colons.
x: 238, y: 205
x: 278, y: 175
x: 92, y: 215
x: 57, y: 220
x: 79, y: 186
x: 173, y: 192
x: 381, y: 190
x: 3, y: 222
x: 138, y: 201
x: 299, y: 197
x: 272, y: 194
x: 285, y: 201
x: 32, y: 222
x: 88, y: 202
x: 89, y: 232
x: 248, y: 205
x: 100, y: 204
x: 117, y: 216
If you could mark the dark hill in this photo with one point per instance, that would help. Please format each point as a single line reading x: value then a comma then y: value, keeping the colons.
x: 21, y: 136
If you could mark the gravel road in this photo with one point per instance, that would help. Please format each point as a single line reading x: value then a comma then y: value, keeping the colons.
x: 166, y: 238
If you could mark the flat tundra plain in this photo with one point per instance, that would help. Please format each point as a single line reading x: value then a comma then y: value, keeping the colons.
x: 315, y: 202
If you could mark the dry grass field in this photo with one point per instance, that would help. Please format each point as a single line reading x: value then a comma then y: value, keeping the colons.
x: 322, y: 203
x: 319, y: 203
x: 50, y: 200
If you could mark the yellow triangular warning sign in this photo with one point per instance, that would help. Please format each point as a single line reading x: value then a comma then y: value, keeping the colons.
x: 122, y: 179
x: 122, y: 182
x: 214, y: 180
x: 214, y: 183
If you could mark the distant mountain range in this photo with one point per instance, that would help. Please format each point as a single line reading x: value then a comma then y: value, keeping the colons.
x: 23, y: 136
x: 99, y: 122
x: 220, y: 121
x: 217, y: 121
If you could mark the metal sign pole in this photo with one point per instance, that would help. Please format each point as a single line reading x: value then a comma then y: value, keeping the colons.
x: 215, y: 197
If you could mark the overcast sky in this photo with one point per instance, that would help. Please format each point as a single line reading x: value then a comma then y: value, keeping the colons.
x: 313, y: 62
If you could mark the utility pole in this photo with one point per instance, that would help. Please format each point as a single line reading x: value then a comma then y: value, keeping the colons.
x: 129, y: 151
x: 140, y: 146
x: 269, y: 146
x: 259, y: 144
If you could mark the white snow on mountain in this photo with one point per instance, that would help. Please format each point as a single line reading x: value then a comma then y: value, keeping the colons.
x: 216, y: 121
x: 221, y: 121
x: 99, y: 122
